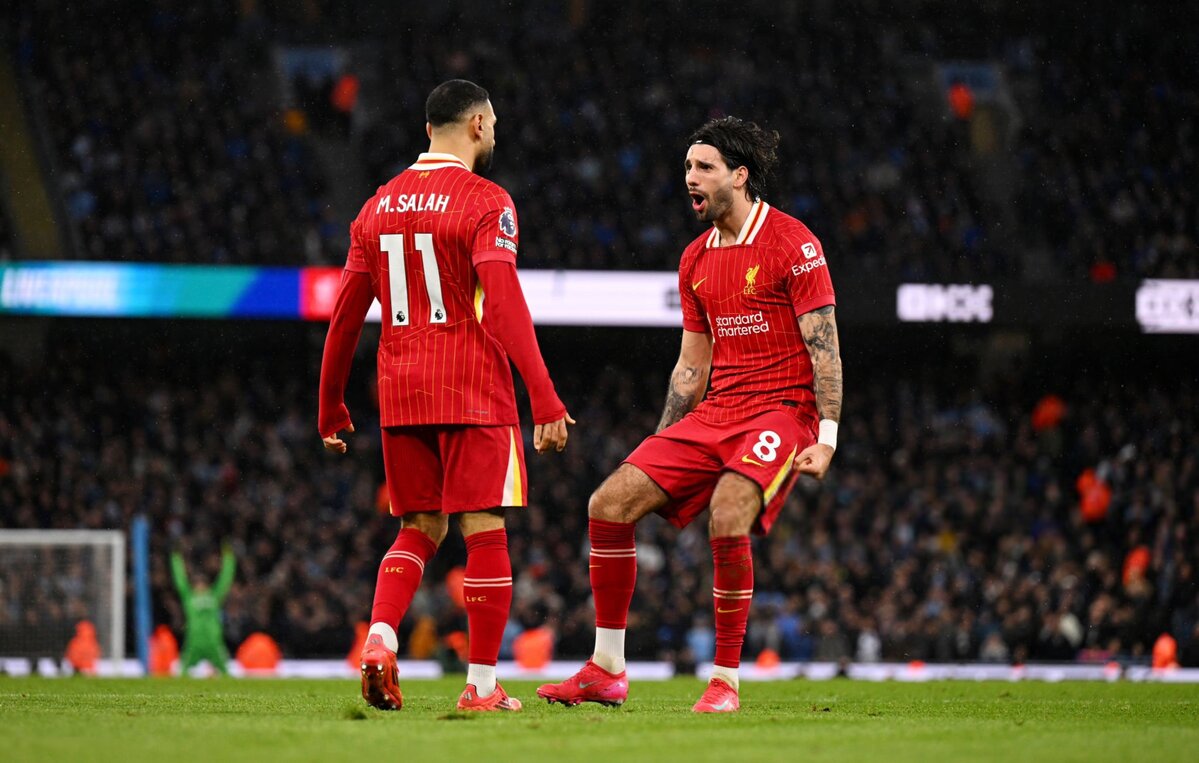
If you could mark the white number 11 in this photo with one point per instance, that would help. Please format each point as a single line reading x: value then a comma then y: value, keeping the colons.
x: 393, y: 244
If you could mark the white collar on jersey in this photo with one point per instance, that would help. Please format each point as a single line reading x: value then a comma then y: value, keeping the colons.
x: 749, y: 229
x: 431, y: 161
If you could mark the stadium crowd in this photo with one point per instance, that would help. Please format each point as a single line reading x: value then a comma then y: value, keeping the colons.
x: 594, y: 119
x: 1109, y: 152
x: 950, y: 527
x: 168, y: 138
x: 198, y: 163
x: 172, y: 142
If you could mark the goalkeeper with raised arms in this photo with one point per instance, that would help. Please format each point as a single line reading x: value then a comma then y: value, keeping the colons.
x: 204, y: 633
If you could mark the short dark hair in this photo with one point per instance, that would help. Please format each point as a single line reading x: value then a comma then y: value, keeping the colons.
x: 451, y: 99
x: 742, y: 144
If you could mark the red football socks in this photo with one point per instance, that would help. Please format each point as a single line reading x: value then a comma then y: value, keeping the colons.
x: 488, y: 591
x: 399, y: 576
x: 732, y: 590
x: 613, y: 567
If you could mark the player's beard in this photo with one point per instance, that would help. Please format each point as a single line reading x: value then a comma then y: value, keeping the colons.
x: 483, y: 162
x: 719, y: 203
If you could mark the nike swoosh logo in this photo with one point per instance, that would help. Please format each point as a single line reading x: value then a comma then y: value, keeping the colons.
x: 695, y: 285
x: 726, y: 611
x: 723, y: 705
x: 748, y: 460
x: 585, y: 684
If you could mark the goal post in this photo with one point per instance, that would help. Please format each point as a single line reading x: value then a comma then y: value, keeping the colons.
x: 50, y: 580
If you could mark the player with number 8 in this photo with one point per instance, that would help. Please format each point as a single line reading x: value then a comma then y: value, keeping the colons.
x: 436, y: 245
x: 758, y: 316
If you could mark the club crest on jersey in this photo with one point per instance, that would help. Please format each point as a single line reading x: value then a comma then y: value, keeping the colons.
x: 751, y: 281
x: 508, y: 222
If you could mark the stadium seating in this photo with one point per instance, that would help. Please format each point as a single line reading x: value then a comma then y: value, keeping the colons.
x: 1109, y: 150
x: 595, y: 161
x: 171, y: 143
x: 949, y: 530
x: 168, y: 139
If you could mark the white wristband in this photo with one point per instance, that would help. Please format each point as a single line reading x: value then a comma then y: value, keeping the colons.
x: 828, y: 433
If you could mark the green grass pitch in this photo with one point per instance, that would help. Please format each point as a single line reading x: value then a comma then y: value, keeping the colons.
x: 175, y: 720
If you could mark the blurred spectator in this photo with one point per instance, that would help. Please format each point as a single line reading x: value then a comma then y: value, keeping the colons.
x: 83, y: 650
x: 164, y: 651
x: 961, y: 101
x: 259, y: 654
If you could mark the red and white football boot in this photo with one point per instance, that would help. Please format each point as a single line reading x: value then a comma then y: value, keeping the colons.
x: 591, y: 684
x: 719, y: 697
x: 380, y: 676
x: 497, y: 700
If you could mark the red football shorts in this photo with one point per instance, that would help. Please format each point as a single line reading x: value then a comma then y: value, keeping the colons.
x: 687, y: 458
x: 454, y: 468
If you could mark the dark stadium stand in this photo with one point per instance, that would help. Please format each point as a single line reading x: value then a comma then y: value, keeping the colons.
x: 591, y: 137
x: 7, y: 250
x: 949, y: 530
x: 172, y: 142
x: 1110, y: 151
x: 169, y: 143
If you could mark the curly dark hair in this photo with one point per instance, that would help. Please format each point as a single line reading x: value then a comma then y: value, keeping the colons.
x: 742, y: 144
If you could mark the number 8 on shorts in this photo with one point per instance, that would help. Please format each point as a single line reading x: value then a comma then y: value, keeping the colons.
x: 766, y: 448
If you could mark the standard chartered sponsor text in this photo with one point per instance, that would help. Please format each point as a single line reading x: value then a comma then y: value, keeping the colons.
x: 741, y: 325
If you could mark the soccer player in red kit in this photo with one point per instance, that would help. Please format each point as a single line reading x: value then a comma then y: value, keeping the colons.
x: 437, y: 246
x: 758, y: 315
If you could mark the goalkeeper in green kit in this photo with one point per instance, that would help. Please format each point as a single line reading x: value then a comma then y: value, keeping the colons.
x: 204, y: 636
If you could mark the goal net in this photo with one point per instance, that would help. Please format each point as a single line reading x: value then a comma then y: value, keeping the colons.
x: 50, y: 581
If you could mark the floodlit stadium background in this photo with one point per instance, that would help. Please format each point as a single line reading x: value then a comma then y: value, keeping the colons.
x: 1006, y: 197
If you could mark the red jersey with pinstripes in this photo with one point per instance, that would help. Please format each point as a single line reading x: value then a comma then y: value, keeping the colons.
x: 747, y: 296
x: 420, y: 237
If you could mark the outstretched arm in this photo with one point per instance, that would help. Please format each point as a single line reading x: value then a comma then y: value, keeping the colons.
x: 819, y: 329
x: 179, y: 575
x: 225, y: 579
x: 689, y: 380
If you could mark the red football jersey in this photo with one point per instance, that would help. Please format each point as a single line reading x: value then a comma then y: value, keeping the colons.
x: 419, y: 237
x: 747, y: 296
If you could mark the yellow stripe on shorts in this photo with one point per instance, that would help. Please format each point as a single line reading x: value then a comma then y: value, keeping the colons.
x: 779, y: 478
x: 479, y: 302
x: 513, y: 489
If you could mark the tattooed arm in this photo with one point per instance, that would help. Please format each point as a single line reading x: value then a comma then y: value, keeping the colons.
x: 689, y: 379
x: 819, y: 329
